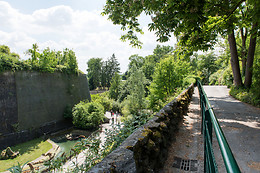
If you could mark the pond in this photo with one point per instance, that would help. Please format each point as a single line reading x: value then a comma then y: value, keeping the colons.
x: 65, y: 144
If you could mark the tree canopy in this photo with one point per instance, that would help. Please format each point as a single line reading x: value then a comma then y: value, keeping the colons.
x: 196, y: 24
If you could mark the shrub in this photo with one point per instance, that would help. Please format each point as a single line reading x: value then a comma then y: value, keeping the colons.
x: 87, y: 115
x: 103, y: 100
x: 245, y: 95
x: 222, y: 77
x: 116, y: 106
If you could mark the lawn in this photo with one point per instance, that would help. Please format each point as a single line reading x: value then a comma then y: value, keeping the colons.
x: 28, y: 151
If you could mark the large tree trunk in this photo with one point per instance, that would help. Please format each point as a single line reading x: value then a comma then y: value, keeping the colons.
x: 243, y: 53
x: 250, y: 58
x: 234, y: 59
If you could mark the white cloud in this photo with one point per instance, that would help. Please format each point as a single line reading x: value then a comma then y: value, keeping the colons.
x: 86, y: 32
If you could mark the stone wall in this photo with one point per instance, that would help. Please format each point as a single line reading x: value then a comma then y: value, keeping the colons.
x: 8, y: 103
x: 33, y: 103
x: 146, y: 149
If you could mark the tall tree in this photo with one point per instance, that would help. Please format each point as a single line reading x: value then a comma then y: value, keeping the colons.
x: 207, y: 66
x: 104, y: 74
x: 114, y: 90
x: 169, y: 74
x: 94, y: 69
x: 196, y: 23
x: 136, y: 88
x: 135, y: 60
x: 112, y: 68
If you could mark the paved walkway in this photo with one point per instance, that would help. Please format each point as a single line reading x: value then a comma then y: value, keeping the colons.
x: 186, y: 152
x: 240, y: 123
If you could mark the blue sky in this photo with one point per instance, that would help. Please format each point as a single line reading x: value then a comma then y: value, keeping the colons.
x: 73, y: 24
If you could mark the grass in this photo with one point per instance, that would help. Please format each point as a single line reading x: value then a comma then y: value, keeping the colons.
x: 29, y: 151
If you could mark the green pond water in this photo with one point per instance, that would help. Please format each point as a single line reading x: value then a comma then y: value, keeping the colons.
x: 64, y: 144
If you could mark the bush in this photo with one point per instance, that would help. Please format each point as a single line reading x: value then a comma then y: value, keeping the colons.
x: 103, y: 100
x: 116, y: 106
x: 87, y: 115
x: 245, y: 95
x: 222, y: 77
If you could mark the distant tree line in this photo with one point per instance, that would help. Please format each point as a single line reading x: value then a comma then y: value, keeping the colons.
x: 46, y: 61
x: 100, y: 73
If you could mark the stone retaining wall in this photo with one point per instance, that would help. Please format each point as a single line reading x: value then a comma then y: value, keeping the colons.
x: 33, y: 103
x: 146, y: 149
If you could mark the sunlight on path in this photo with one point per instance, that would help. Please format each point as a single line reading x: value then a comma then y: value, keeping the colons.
x: 80, y: 158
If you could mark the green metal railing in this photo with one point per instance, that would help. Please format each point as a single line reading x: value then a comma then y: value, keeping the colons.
x: 209, y: 121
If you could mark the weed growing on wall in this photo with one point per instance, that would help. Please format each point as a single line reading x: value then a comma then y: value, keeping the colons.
x: 49, y: 61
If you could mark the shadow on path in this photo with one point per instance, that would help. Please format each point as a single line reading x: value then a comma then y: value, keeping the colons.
x: 186, y: 152
x: 241, y: 125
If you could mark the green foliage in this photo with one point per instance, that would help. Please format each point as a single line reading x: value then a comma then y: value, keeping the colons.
x: 94, y: 69
x: 135, y: 60
x: 87, y: 115
x: 222, y: 77
x: 96, y: 151
x: 168, y: 76
x: 245, y: 95
x: 47, y: 61
x: 189, y: 80
x: 136, y: 87
x: 114, y: 90
x: 18, y: 168
x: 103, y: 100
x: 5, y: 49
x: 100, y: 73
x: 195, y: 25
x: 116, y: 106
x: 207, y: 66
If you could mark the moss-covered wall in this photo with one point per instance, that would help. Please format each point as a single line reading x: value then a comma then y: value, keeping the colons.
x: 8, y: 103
x: 33, y: 103
x: 42, y: 97
x: 146, y: 149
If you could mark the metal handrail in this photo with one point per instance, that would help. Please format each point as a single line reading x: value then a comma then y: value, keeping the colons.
x: 208, y: 120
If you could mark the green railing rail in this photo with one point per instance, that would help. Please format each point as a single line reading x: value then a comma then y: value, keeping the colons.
x: 209, y: 121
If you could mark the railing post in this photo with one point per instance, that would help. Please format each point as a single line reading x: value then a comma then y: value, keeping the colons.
x: 209, y: 124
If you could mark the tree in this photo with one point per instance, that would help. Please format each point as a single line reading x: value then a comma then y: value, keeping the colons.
x: 104, y: 74
x: 195, y: 23
x: 136, y: 88
x: 168, y: 75
x: 161, y: 51
x: 135, y: 60
x: 34, y: 52
x: 4, y: 49
x: 72, y: 62
x: 114, y: 90
x: 112, y: 68
x: 94, y: 69
x: 207, y: 65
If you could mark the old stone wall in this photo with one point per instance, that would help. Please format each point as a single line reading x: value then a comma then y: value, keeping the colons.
x: 146, y: 149
x: 8, y: 103
x: 33, y: 103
